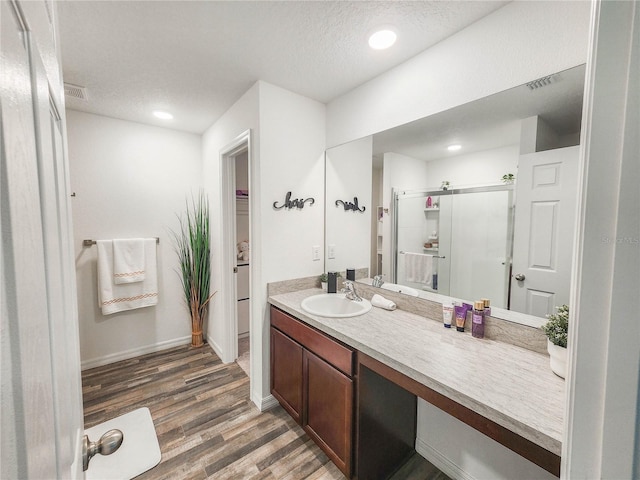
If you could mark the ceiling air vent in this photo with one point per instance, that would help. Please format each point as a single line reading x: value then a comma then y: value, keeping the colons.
x: 540, y: 82
x: 75, y: 91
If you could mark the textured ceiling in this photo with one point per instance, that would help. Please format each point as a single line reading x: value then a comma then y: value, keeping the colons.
x: 196, y: 58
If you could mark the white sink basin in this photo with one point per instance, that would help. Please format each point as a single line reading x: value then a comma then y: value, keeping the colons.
x: 335, y: 305
x: 394, y: 287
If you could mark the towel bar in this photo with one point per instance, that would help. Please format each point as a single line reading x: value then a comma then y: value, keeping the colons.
x: 88, y: 243
x: 434, y: 256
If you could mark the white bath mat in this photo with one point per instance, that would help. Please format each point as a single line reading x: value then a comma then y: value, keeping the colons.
x: 138, y: 453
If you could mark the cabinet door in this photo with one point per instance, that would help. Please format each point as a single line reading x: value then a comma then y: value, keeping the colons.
x: 286, y: 373
x: 328, y: 416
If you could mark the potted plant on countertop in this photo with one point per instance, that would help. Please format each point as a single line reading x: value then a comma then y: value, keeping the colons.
x: 192, y: 245
x: 556, y: 329
x: 445, y: 185
x: 508, y: 178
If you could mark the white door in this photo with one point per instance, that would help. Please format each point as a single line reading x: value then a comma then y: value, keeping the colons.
x: 543, y: 232
x: 40, y: 365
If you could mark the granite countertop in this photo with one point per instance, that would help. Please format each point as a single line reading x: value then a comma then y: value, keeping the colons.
x: 509, y: 385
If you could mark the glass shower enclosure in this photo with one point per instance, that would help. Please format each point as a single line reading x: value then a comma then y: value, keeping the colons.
x: 455, y: 242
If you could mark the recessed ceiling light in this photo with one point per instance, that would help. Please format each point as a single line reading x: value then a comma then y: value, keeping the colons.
x: 453, y: 148
x: 382, y: 39
x: 163, y: 115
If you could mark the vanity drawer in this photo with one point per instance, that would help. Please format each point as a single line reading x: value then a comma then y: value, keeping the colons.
x: 338, y: 355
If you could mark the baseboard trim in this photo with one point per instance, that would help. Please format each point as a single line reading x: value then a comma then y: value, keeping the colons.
x: 440, y: 461
x: 266, y: 403
x: 134, y: 352
x: 216, y: 348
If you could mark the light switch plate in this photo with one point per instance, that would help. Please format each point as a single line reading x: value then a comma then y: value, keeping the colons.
x: 315, y: 252
x: 332, y: 251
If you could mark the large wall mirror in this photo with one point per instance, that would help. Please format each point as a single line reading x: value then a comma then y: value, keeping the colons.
x: 492, y: 218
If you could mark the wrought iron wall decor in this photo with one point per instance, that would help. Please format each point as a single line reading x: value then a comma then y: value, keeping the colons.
x: 350, y: 205
x: 293, y: 203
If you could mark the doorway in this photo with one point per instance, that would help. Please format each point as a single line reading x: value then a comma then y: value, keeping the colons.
x: 236, y: 251
x: 243, y: 244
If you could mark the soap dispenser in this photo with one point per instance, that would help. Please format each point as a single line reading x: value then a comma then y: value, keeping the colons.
x: 351, y: 274
x: 332, y: 282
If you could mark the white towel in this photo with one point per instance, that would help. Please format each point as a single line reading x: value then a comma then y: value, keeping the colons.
x: 418, y: 268
x: 114, y: 298
x: 381, y: 302
x: 128, y: 260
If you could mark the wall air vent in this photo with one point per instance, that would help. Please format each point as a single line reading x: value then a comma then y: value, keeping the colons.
x: 540, y: 82
x: 75, y: 91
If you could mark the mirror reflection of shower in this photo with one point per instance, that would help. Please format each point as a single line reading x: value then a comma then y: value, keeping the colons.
x: 456, y: 243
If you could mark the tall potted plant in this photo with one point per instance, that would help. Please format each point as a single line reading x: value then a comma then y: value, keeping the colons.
x: 556, y: 329
x: 192, y: 245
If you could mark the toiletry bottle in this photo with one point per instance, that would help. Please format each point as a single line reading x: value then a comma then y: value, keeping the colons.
x: 447, y: 314
x: 351, y: 274
x: 477, y: 319
x: 487, y: 307
x: 461, y: 315
x: 428, y: 202
x: 332, y: 282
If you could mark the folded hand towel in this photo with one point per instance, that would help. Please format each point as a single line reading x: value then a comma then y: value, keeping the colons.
x: 418, y: 268
x: 128, y: 260
x: 381, y: 302
x: 114, y: 298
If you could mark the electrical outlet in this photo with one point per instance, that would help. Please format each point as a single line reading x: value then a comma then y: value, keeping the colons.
x: 332, y: 251
x: 315, y: 252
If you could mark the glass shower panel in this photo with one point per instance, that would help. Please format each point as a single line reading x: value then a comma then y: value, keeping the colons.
x: 420, y: 247
x: 481, y: 246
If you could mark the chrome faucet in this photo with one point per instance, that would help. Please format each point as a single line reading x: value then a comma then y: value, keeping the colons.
x: 377, y: 281
x: 350, y: 290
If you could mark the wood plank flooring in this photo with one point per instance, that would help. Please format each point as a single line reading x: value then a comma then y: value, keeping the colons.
x: 207, y: 427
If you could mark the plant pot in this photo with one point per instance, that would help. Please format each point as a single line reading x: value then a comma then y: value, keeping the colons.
x: 557, y: 359
x: 197, y: 339
x: 324, y: 286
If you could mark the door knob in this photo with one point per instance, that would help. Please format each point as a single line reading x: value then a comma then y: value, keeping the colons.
x: 108, y: 443
x: 519, y: 277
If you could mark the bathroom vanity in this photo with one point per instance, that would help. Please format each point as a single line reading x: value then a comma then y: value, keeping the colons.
x: 353, y: 384
x: 312, y: 378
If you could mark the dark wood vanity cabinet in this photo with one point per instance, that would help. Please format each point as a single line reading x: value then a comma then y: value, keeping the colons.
x: 286, y: 386
x: 312, y: 378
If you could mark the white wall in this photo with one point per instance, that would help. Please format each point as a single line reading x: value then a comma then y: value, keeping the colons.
x: 473, y: 169
x: 463, y: 453
x: 292, y: 144
x: 130, y: 180
x: 349, y: 175
x: 520, y: 42
x: 287, y: 154
x: 242, y: 116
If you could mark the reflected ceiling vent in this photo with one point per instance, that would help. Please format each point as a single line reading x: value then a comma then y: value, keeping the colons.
x: 75, y: 91
x: 540, y: 82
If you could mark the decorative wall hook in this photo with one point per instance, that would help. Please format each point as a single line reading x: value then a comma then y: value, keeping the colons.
x: 350, y: 206
x: 295, y: 203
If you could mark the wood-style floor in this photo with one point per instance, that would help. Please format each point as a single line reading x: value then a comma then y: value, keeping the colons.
x: 207, y: 427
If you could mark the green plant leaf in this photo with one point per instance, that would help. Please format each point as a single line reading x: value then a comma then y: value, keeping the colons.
x: 192, y: 246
